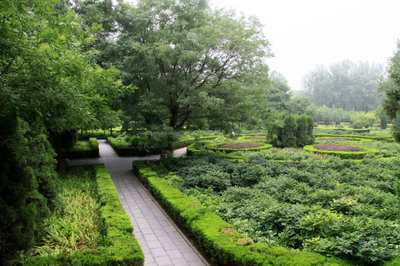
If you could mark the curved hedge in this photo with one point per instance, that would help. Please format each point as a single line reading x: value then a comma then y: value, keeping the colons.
x: 320, y: 139
x: 122, y: 247
x: 224, y: 245
x: 381, y: 138
x: 344, y: 154
x: 217, y: 147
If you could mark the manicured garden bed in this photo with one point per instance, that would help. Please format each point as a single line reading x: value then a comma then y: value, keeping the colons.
x: 332, y: 139
x: 241, y: 145
x: 336, y: 208
x: 257, y: 138
x: 238, y: 146
x: 343, y: 151
x: 337, y: 147
x: 92, y: 228
x: 217, y: 237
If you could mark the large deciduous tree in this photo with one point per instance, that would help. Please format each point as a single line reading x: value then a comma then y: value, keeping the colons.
x: 391, y: 87
x: 47, y: 70
x: 347, y: 85
x: 188, y: 61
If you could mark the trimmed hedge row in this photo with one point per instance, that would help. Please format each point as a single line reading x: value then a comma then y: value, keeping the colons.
x: 184, y: 142
x: 381, y: 138
x: 218, y: 147
x: 320, y: 139
x: 223, y: 244
x: 344, y: 154
x: 99, y: 134
x: 84, y: 149
x: 122, y: 247
x: 124, y: 148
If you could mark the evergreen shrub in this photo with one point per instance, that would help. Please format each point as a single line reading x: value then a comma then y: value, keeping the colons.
x: 294, y: 131
x: 27, y: 185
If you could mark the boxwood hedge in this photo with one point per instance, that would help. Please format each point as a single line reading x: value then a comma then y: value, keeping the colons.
x: 224, y: 245
x: 344, y: 154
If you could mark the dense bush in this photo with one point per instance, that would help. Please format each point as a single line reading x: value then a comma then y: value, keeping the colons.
x: 222, y: 243
x: 27, y: 186
x: 294, y: 131
x: 335, y: 207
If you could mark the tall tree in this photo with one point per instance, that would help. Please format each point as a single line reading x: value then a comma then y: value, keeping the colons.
x: 347, y: 85
x: 186, y: 59
x: 391, y: 87
x: 47, y: 70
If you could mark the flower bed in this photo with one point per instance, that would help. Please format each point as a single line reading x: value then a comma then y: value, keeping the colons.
x: 337, y: 147
x: 343, y: 151
x: 258, y: 138
x: 238, y: 146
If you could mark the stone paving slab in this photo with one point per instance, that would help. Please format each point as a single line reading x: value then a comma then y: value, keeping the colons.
x: 161, y: 240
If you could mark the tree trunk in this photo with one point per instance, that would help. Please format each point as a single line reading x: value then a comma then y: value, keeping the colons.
x: 58, y: 146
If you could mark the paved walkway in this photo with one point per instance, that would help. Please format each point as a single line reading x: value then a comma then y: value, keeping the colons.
x: 161, y: 240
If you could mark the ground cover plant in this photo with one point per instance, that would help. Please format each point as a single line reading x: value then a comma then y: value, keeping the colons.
x: 89, y: 226
x: 76, y: 224
x: 335, y: 207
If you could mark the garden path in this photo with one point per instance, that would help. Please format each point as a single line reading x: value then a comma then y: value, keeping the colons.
x: 162, y: 241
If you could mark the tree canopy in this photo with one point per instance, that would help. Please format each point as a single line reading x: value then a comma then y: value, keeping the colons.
x: 347, y: 85
x: 187, y: 60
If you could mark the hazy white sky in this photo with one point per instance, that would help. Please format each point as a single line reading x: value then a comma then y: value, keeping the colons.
x: 306, y: 33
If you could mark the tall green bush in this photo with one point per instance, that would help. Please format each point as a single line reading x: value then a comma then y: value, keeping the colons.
x: 292, y: 131
x: 27, y: 186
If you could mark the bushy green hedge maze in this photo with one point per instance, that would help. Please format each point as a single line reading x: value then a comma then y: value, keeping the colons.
x: 336, y: 208
x: 217, y: 237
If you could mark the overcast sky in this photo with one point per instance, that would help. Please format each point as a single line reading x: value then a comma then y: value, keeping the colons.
x: 306, y: 33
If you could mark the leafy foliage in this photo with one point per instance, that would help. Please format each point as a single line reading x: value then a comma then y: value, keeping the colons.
x: 292, y: 131
x: 27, y: 185
x: 347, y: 85
x: 337, y: 207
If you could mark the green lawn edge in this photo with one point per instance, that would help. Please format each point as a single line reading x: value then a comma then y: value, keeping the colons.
x: 206, y: 227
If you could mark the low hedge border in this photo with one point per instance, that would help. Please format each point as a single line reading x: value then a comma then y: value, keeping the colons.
x: 217, y: 147
x: 125, y: 149
x: 184, y: 142
x: 122, y: 247
x: 320, y: 139
x: 91, y: 150
x: 344, y: 154
x: 380, y: 138
x: 210, y: 230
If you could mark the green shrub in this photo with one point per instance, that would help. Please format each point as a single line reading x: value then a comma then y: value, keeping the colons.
x: 302, y: 204
x: 344, y: 154
x: 209, y: 230
x: 294, y: 131
x: 27, y: 185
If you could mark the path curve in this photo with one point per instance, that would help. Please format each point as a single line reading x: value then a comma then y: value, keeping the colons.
x: 161, y: 240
